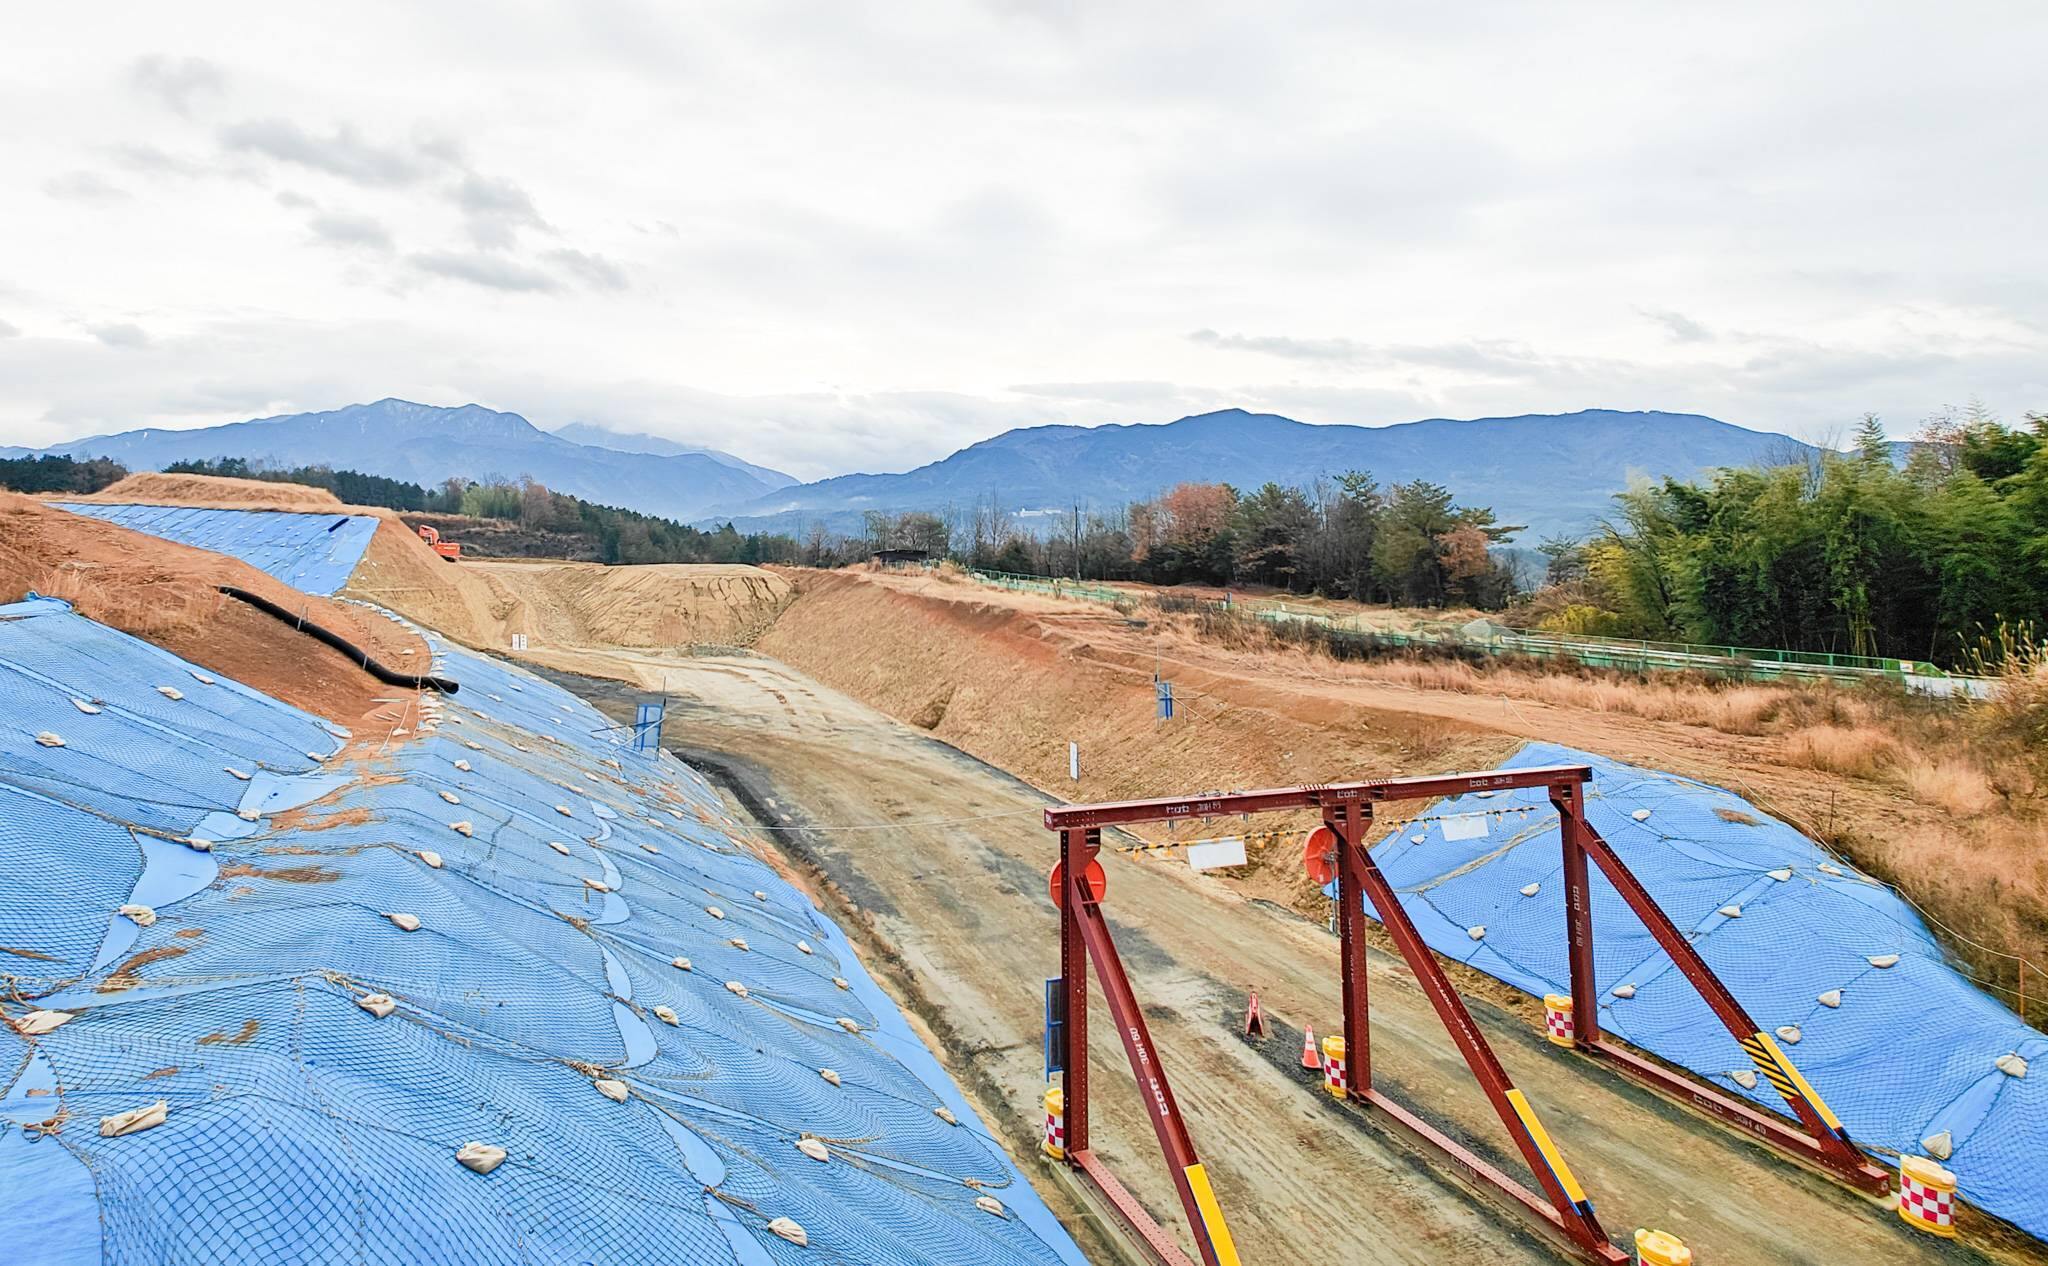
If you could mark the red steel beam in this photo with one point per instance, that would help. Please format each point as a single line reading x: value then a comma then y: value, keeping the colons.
x: 1825, y: 1143
x: 1488, y: 1179
x: 1148, y: 1234
x: 1176, y: 808
x: 1573, y: 1214
x: 1350, y: 823
x: 1578, y: 911
x: 1077, y: 849
x: 1153, y: 1088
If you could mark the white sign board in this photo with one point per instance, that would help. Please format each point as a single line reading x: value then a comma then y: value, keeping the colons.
x: 1465, y: 826
x: 1216, y: 854
x: 519, y: 641
x: 1074, y: 761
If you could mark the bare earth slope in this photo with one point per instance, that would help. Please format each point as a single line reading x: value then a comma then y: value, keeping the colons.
x: 166, y: 593
x: 654, y: 606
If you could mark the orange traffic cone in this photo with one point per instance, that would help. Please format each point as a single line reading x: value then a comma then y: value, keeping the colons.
x: 1254, y: 1019
x: 1309, y: 1057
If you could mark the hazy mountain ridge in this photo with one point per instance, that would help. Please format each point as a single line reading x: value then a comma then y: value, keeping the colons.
x: 1553, y: 472
x: 641, y: 442
x: 427, y: 444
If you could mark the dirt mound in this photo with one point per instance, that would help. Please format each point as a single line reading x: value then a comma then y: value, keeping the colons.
x: 400, y: 571
x: 662, y: 605
x: 167, y: 594
x: 1013, y: 681
x: 214, y: 491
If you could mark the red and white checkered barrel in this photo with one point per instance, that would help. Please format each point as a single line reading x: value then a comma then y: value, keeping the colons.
x: 1336, y: 1075
x: 1927, y: 1196
x: 1557, y: 1020
x: 1055, y: 1144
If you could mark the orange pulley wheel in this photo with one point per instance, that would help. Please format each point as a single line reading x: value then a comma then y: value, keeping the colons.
x: 1098, y: 883
x: 1319, y: 855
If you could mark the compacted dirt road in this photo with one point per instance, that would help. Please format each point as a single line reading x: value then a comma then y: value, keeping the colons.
x: 938, y: 863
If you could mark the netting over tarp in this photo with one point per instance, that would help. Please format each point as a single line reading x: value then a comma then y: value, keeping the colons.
x: 313, y: 552
x: 1907, y: 1054
x: 303, y: 1127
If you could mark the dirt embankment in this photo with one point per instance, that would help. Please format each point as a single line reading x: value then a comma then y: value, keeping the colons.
x: 214, y: 491
x: 402, y: 572
x: 167, y: 594
x: 1012, y: 678
x: 1013, y: 681
x: 651, y: 606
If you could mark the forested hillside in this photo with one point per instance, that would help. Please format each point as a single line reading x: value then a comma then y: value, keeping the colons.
x: 1854, y: 553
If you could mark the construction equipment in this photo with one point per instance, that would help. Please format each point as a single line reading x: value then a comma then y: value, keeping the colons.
x: 450, y: 550
x: 1337, y: 853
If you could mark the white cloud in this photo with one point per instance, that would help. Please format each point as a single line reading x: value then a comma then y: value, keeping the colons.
x: 342, y: 152
x: 84, y: 186
x: 342, y: 229
x: 178, y: 82
x: 830, y: 237
x: 120, y: 334
x: 493, y: 272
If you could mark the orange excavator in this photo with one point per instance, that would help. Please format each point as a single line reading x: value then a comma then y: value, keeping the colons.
x: 450, y: 550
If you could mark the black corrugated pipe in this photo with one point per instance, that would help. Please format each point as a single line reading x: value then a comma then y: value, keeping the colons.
x: 342, y: 644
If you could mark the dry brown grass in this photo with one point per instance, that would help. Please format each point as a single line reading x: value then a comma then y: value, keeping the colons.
x: 145, y: 609
x: 1860, y: 751
x: 1954, y: 786
x: 151, y: 487
x: 1945, y: 800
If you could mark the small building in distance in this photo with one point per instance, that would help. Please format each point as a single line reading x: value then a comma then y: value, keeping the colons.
x: 902, y: 558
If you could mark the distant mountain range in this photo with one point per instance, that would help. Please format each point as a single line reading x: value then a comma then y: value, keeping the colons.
x: 1555, y: 473
x: 425, y: 444
x: 636, y: 442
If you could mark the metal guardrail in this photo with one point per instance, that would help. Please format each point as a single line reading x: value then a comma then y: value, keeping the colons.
x: 1631, y: 654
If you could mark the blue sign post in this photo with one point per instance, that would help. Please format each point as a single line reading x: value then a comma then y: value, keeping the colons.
x: 647, y: 728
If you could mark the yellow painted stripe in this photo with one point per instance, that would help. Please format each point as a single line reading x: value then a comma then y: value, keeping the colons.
x: 1212, y: 1216
x: 1541, y: 1136
x: 1799, y: 1081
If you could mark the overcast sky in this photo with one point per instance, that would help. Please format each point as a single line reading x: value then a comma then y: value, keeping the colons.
x: 836, y: 236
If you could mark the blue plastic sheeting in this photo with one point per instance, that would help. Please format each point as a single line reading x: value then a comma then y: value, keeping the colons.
x: 301, y: 1127
x: 311, y: 552
x: 1908, y: 1054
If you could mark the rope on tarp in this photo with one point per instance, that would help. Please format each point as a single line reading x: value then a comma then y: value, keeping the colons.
x: 416, y: 681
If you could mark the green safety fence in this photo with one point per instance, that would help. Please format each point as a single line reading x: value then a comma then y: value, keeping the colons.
x: 1633, y: 654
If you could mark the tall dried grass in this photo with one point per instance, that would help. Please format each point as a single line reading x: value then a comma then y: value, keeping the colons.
x: 147, y: 609
x: 1954, y: 786
x: 1859, y: 751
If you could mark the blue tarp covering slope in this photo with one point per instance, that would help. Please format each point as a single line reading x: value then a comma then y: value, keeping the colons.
x: 575, y: 939
x: 312, y: 552
x: 1909, y: 1052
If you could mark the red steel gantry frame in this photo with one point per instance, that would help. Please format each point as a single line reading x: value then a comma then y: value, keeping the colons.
x: 1561, y: 1207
